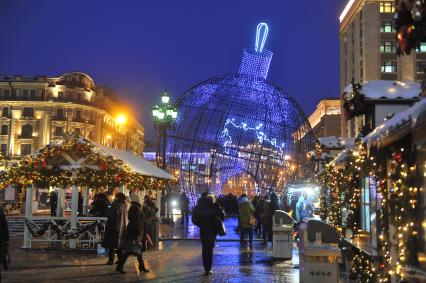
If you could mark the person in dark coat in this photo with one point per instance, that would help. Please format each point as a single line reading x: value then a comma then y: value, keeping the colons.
x: 135, y: 234
x: 206, y: 215
x: 273, y: 206
x: 150, y: 211
x: 101, y: 204
x: 4, y: 238
x: 115, y: 230
x: 53, y: 202
x: 184, y: 207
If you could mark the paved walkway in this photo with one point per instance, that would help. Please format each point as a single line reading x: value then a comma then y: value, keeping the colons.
x: 175, y: 261
x: 190, y: 231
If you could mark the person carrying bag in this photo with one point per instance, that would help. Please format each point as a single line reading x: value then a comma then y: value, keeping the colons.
x: 135, y: 234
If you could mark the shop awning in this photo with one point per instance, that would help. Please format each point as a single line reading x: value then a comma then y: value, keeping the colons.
x: 137, y: 163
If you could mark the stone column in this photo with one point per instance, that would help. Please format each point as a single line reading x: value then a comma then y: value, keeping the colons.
x: 85, y: 192
x: 12, y: 133
x: 98, y: 134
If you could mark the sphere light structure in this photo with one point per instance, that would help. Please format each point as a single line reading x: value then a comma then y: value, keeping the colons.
x: 239, y: 124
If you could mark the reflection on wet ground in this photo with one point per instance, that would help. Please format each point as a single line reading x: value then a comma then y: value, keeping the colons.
x: 190, y: 231
x: 175, y: 261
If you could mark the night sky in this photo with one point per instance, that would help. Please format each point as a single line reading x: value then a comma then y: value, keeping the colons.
x: 139, y: 48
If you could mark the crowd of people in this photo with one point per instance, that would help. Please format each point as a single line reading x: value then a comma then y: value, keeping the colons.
x: 127, y: 232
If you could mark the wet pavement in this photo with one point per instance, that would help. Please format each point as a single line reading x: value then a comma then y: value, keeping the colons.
x: 175, y: 261
x: 177, y: 230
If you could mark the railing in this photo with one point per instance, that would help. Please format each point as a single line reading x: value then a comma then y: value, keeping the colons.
x: 57, y: 231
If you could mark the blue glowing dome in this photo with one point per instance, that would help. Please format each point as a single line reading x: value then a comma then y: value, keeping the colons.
x: 239, y: 124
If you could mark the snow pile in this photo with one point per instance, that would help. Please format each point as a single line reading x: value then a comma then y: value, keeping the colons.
x: 381, y: 89
x: 341, y: 157
x: 336, y: 142
x: 409, y: 116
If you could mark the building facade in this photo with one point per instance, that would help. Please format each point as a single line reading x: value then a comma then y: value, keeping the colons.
x: 368, y: 48
x: 325, y: 121
x: 36, y: 111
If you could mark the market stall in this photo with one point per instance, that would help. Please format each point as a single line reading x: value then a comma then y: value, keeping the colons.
x: 79, y: 166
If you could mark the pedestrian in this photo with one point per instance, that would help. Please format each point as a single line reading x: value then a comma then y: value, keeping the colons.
x: 184, y: 208
x: 259, y: 209
x: 150, y: 211
x: 53, y: 202
x: 135, y: 234
x: 4, y: 241
x: 115, y: 230
x: 246, y: 219
x: 274, y: 205
x: 101, y: 203
x: 208, y: 216
x: 305, y: 207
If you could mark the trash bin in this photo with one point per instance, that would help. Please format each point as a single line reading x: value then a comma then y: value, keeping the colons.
x: 282, y: 244
x: 321, y: 264
x: 319, y: 253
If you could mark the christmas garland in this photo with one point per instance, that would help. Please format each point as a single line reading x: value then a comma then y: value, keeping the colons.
x: 37, y: 170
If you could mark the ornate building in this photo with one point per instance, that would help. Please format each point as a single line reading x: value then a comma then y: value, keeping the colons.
x: 36, y: 111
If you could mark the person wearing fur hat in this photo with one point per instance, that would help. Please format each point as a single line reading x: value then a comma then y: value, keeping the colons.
x: 135, y: 234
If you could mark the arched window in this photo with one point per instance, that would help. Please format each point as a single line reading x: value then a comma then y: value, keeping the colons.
x: 27, y: 131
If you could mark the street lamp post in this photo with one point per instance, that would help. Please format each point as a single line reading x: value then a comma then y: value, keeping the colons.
x: 164, y: 116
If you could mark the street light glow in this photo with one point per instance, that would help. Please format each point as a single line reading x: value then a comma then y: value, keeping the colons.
x: 165, y: 98
x: 121, y: 119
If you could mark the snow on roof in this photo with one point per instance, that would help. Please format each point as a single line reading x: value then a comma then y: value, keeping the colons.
x: 341, y: 157
x: 411, y: 115
x: 137, y: 163
x: 336, y: 142
x: 382, y: 89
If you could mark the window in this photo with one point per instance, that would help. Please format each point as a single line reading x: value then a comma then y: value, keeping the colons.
x: 365, y: 205
x: 387, y: 26
x: 60, y: 113
x: 3, y: 149
x: 77, y: 131
x: 4, y: 129
x: 27, y: 131
x: 388, y: 47
x: 420, y: 65
x: 33, y: 94
x: 28, y: 112
x: 25, y: 94
x: 389, y: 67
x: 79, y: 97
x: 78, y: 115
x: 5, y: 112
x: 6, y: 93
x: 26, y: 149
x: 61, y: 95
x: 59, y: 131
x: 387, y: 7
x: 422, y: 47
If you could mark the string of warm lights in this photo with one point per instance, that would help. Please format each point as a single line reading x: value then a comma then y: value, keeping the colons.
x: 393, y: 173
x: 42, y: 170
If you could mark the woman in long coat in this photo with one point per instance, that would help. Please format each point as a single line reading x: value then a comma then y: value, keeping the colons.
x: 115, y: 230
x: 135, y: 235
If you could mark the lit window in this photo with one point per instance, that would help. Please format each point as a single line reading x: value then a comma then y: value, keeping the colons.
x: 388, y: 47
x: 365, y: 205
x: 387, y: 7
x: 422, y: 47
x: 387, y: 26
x: 389, y: 67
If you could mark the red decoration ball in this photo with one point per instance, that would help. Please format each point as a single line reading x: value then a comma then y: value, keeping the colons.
x: 398, y: 157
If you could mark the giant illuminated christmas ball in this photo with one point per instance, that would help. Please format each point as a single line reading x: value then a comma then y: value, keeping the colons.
x: 239, y: 124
